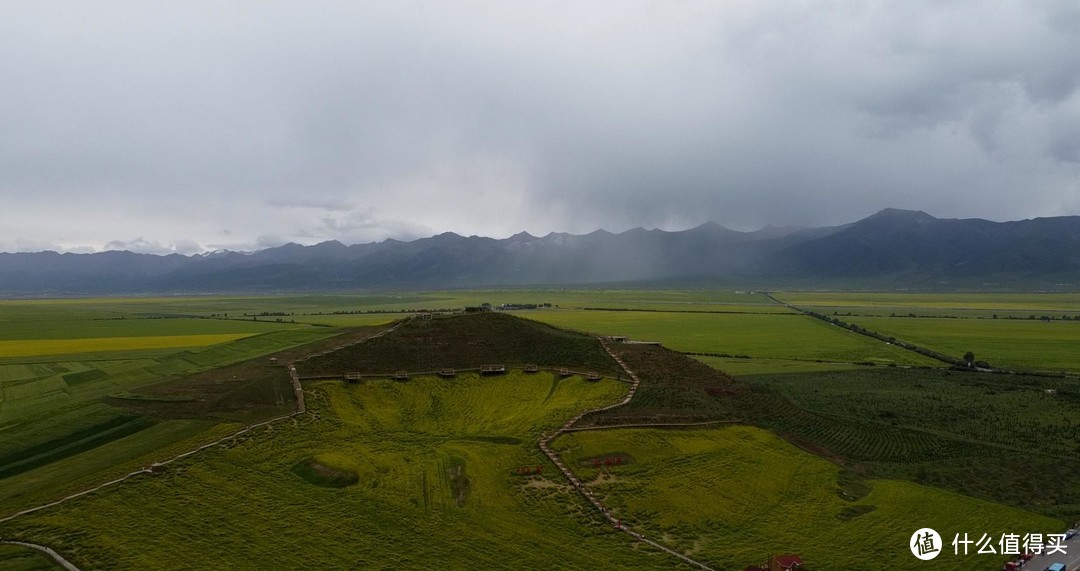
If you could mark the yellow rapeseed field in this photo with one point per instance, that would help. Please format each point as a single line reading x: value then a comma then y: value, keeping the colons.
x: 36, y: 347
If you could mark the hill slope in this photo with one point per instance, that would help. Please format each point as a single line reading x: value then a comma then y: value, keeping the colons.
x: 465, y: 341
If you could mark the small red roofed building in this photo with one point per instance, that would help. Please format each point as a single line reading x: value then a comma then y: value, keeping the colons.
x: 785, y: 563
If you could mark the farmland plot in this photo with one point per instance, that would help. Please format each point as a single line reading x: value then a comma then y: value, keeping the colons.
x: 1025, y: 344
x: 767, y: 336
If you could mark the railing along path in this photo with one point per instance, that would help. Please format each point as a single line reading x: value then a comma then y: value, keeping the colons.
x: 545, y: 446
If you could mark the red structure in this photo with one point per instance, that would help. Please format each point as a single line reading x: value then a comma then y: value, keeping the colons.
x: 786, y: 562
x: 778, y: 563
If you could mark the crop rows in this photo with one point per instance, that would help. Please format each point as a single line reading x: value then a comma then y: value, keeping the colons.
x: 80, y: 441
x: 1037, y: 414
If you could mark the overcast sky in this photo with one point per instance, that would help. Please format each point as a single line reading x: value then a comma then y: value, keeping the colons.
x: 184, y: 126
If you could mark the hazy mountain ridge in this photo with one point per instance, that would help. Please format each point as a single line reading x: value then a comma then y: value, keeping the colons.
x: 891, y: 248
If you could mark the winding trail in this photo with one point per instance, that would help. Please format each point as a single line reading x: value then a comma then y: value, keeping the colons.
x: 59, y: 559
x: 545, y: 446
x: 300, y: 408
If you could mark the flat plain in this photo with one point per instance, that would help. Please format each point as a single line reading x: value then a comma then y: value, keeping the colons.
x: 1005, y: 303
x: 769, y: 336
x: 1032, y: 345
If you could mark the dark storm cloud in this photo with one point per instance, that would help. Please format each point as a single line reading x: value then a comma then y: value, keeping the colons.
x: 361, y: 121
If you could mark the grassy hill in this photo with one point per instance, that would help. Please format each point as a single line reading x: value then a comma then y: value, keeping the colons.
x: 464, y: 341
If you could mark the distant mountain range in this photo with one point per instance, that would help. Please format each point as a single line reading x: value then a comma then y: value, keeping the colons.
x: 891, y: 249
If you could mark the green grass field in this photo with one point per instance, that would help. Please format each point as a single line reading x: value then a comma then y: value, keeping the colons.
x: 114, y: 458
x: 765, y: 336
x: 732, y: 496
x: 1007, y: 343
x: 435, y: 461
x: 740, y: 367
x: 1030, y: 302
x: 305, y: 305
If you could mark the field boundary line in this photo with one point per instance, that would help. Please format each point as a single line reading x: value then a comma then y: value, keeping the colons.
x: 47, y: 551
x: 936, y: 355
x: 545, y: 447
x: 698, y: 311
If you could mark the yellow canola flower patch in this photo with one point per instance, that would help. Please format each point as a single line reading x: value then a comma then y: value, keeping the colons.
x: 35, y: 347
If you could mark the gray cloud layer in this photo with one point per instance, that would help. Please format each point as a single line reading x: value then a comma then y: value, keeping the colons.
x: 245, y: 124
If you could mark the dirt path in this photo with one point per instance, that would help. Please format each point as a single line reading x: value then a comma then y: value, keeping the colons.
x: 545, y: 446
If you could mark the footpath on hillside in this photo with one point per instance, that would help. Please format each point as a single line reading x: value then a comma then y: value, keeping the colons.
x: 545, y: 446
